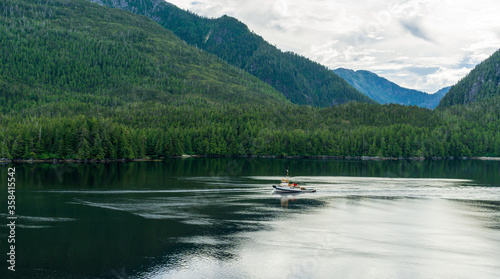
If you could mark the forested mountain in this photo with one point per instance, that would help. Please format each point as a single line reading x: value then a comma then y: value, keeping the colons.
x: 481, y: 84
x: 387, y: 92
x: 81, y: 53
x: 301, y: 80
x: 83, y: 81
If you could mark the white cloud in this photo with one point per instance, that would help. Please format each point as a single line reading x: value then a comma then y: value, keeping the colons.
x: 421, y: 44
x: 442, y: 77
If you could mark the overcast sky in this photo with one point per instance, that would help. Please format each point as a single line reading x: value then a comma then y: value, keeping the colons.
x: 419, y: 44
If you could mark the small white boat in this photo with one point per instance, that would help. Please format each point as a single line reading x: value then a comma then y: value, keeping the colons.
x: 292, y: 189
x: 287, y: 187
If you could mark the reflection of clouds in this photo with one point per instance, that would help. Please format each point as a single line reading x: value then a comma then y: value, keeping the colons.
x: 353, y: 238
x: 337, y: 186
x: 483, y: 213
x: 397, y: 227
x: 154, y: 208
x: 37, y: 222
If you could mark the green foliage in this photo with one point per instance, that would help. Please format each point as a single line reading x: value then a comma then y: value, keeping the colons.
x: 79, y: 52
x: 299, y: 79
x: 481, y: 84
x: 80, y: 81
x: 154, y: 129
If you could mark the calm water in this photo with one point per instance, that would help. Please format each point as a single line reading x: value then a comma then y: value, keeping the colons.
x: 218, y: 218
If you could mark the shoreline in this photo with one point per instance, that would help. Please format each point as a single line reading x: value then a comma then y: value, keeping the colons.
x: 4, y: 161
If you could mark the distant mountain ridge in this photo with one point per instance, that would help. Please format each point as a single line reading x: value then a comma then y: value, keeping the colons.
x: 299, y: 79
x: 387, y: 92
x: 482, y: 83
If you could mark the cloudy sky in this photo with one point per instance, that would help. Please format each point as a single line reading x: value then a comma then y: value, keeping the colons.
x: 419, y: 44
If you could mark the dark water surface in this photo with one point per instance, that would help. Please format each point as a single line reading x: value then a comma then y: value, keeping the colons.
x: 218, y: 218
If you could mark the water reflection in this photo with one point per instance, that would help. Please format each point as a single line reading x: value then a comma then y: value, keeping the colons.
x: 140, y: 175
x: 483, y: 212
x: 357, y: 238
x: 219, y: 219
x: 285, y: 198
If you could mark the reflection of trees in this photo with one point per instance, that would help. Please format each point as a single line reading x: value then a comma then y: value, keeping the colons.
x: 139, y: 174
x: 114, y: 233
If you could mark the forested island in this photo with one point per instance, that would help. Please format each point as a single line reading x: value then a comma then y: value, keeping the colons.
x: 86, y: 82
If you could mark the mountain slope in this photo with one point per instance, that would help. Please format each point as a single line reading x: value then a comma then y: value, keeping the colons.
x: 441, y: 93
x: 83, y: 81
x: 301, y: 80
x: 82, y: 53
x: 385, y: 91
x: 482, y: 83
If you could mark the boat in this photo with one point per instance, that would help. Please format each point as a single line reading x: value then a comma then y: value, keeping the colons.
x: 287, y: 187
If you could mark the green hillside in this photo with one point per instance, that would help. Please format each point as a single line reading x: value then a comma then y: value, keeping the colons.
x: 481, y: 84
x: 81, y: 53
x: 83, y: 81
x: 387, y: 92
x: 301, y: 80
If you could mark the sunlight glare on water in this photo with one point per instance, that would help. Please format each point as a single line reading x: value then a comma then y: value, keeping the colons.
x: 174, y: 220
x: 366, y: 228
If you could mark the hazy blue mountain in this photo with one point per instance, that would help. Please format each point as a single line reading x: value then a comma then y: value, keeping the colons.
x: 385, y: 91
x: 482, y: 83
x: 299, y: 79
x: 442, y: 92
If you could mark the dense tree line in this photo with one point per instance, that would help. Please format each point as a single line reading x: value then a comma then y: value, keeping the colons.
x: 154, y: 130
x: 82, y: 81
